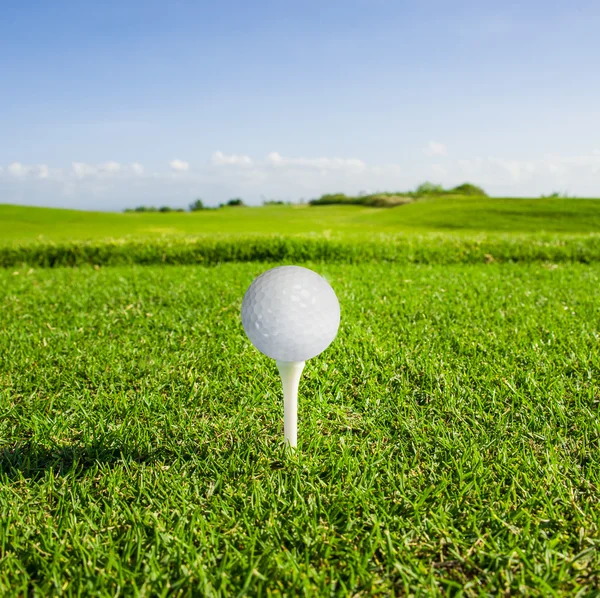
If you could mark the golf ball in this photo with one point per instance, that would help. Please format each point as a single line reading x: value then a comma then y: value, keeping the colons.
x: 290, y: 313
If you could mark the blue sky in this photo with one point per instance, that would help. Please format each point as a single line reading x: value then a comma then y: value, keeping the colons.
x: 105, y: 105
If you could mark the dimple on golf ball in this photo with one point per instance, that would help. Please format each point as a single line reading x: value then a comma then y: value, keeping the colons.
x: 290, y: 313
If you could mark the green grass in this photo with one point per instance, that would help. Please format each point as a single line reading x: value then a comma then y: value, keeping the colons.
x: 441, y: 231
x: 449, y: 438
x: 434, y: 248
x: 466, y: 215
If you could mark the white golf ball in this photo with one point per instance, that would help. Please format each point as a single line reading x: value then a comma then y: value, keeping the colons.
x: 290, y: 313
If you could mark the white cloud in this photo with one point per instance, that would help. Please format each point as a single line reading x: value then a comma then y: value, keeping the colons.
x: 17, y: 169
x: 592, y: 160
x: 83, y: 170
x: 21, y: 171
x: 520, y: 170
x: 137, y: 168
x: 276, y: 159
x: 580, y: 174
x: 109, y: 168
x: 435, y: 148
x: 219, y: 158
x: 179, y: 165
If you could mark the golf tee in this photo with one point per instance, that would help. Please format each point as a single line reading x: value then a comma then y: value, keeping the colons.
x: 290, y: 372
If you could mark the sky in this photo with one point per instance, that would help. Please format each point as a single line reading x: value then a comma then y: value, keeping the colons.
x: 111, y: 104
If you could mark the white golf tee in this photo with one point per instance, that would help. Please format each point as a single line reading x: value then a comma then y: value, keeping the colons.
x: 290, y: 372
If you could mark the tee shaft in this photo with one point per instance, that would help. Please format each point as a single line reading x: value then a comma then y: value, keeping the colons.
x: 290, y: 372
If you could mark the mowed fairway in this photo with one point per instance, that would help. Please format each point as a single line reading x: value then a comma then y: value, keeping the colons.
x: 449, y: 438
x: 460, y: 215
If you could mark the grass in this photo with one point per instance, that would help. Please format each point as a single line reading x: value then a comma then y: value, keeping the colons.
x: 442, y: 231
x: 20, y: 224
x: 449, y: 438
x: 433, y: 248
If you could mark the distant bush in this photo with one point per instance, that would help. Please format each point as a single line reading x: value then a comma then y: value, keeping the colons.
x: 387, y: 200
x: 196, y: 205
x: 433, y: 190
x: 555, y: 195
x: 336, y: 198
x: 377, y: 200
x: 428, y: 188
x: 141, y: 209
x: 165, y: 209
x: 390, y: 200
x: 162, y: 209
x: 276, y: 202
x: 236, y: 202
x: 468, y: 189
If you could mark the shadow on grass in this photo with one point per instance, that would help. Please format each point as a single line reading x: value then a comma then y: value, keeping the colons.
x: 32, y: 460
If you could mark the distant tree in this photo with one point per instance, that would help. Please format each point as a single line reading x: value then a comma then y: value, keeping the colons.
x: 556, y: 195
x: 332, y: 198
x: 428, y: 188
x: 386, y: 200
x: 468, y: 189
x: 153, y: 209
x: 235, y: 202
x: 196, y: 205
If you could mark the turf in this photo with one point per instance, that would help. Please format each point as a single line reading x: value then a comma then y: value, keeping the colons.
x: 449, y: 438
x: 433, y: 248
x: 459, y: 215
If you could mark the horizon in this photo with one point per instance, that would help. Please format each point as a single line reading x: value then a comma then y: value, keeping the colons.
x: 110, y: 107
